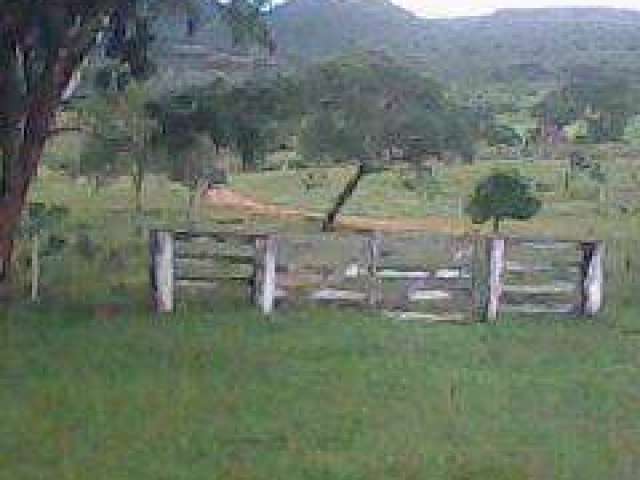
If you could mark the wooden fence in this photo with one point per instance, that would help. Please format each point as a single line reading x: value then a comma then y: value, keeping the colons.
x: 411, y: 277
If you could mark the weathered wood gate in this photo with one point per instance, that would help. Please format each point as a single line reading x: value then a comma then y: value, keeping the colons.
x: 410, y: 276
x: 544, y: 276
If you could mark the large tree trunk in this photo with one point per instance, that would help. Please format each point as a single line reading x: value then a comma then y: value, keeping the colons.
x: 329, y: 223
x: 25, y: 135
x: 23, y: 169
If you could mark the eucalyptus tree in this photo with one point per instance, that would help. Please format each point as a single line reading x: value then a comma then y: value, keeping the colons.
x: 43, y: 45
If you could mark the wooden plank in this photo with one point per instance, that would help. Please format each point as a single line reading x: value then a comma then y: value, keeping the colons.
x: 299, y: 279
x: 441, y: 274
x: 213, y: 277
x: 388, y: 274
x: 452, y: 273
x: 355, y: 271
x: 429, y: 295
x: 214, y: 250
x: 215, y: 270
x: 496, y: 277
x: 186, y: 236
x: 453, y: 285
x: 330, y: 294
x: 373, y: 258
x: 269, y: 271
x: 213, y: 257
x: 202, y: 284
x: 265, y: 283
x: 162, y: 270
x: 592, y: 289
x: 428, y: 317
x: 529, y: 241
x: 522, y: 268
x: 539, y: 309
x: 552, y: 289
x: 548, y: 245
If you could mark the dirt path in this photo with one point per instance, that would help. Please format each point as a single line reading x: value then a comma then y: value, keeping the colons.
x: 228, y: 198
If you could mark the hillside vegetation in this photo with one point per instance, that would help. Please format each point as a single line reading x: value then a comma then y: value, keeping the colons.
x: 511, y: 45
x: 530, y: 46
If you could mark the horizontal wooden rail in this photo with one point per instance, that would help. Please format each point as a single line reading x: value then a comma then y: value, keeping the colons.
x: 517, y: 275
x: 236, y: 237
x: 533, y: 309
x: 328, y: 294
x: 201, y: 284
x: 521, y: 268
x: 212, y: 257
x: 213, y: 277
x: 454, y: 318
x: 558, y: 288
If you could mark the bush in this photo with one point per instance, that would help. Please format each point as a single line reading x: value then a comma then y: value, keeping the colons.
x: 500, y: 196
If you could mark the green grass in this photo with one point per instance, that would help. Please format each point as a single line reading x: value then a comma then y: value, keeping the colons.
x: 314, y: 394
x: 386, y: 195
x: 92, y: 386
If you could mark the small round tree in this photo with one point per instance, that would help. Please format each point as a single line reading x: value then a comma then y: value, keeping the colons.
x: 503, y: 195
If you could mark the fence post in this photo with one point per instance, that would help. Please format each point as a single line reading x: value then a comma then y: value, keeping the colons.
x: 496, y: 277
x: 373, y: 257
x: 478, y: 278
x: 162, y: 270
x: 265, y: 273
x: 592, y: 271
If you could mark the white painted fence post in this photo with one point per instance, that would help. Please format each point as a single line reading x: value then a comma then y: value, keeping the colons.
x: 496, y: 277
x: 162, y: 270
x: 592, y: 278
x: 265, y: 275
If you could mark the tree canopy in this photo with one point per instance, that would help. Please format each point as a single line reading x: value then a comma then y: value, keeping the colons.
x: 603, y: 102
x: 500, y: 196
x: 369, y: 108
x: 44, y: 43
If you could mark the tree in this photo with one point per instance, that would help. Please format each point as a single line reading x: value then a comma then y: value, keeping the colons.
x: 43, y: 44
x: 602, y: 102
x: 121, y: 130
x: 500, y: 196
x: 246, y: 117
x: 41, y: 226
x: 503, y: 135
x: 372, y: 110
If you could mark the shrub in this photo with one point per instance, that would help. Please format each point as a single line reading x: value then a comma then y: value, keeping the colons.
x: 503, y: 195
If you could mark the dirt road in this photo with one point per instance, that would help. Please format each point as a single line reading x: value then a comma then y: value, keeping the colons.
x: 228, y: 198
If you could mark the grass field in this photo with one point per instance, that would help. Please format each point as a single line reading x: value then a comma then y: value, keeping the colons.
x: 314, y: 394
x: 387, y: 195
x: 94, y: 387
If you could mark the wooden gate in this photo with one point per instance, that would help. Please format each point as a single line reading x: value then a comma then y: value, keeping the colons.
x: 410, y: 276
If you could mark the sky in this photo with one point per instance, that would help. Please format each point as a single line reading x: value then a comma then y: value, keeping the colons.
x: 458, y: 8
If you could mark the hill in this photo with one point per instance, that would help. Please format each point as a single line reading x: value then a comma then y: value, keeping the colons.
x: 512, y: 46
x: 528, y: 45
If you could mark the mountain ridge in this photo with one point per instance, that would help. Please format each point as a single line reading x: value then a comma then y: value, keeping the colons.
x: 539, y: 45
x: 553, y: 40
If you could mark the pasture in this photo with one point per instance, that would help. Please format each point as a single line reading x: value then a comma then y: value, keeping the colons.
x: 94, y: 386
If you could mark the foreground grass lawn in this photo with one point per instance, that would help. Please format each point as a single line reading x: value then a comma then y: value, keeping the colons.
x: 314, y: 395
